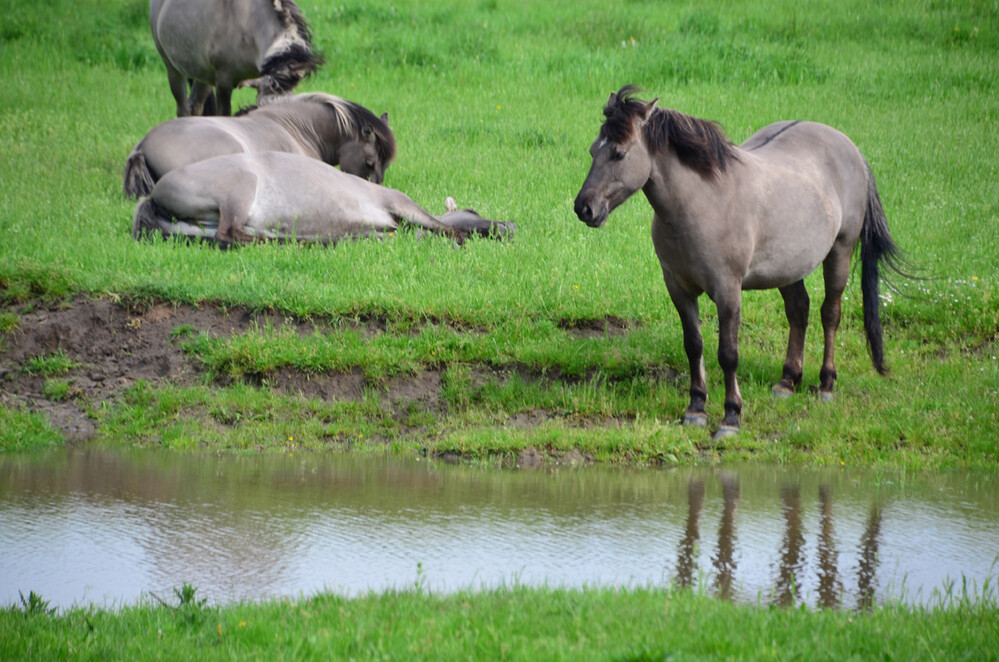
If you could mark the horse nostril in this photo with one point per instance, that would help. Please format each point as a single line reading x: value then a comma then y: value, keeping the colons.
x: 583, y: 210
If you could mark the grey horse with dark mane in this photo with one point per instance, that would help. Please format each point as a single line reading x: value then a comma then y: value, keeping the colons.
x: 242, y: 198
x: 317, y: 125
x: 728, y: 218
x: 206, y: 44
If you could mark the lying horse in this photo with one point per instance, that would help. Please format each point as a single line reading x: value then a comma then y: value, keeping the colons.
x: 241, y: 198
x: 729, y: 218
x: 318, y: 125
x: 215, y: 43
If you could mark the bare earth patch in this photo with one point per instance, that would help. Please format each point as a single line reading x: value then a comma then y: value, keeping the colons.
x: 113, y: 345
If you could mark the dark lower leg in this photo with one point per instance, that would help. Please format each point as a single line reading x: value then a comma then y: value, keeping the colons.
x: 796, y: 309
x: 728, y: 358
x: 830, y: 322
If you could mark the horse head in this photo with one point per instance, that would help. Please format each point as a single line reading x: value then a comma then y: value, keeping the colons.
x: 368, y: 154
x: 622, y: 162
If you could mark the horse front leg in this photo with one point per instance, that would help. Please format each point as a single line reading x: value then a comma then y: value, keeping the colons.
x: 796, y: 309
x: 693, y: 345
x: 729, y: 318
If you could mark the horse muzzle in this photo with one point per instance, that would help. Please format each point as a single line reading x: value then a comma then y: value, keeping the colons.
x: 594, y: 215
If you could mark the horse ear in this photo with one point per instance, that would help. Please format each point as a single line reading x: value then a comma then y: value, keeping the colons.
x: 368, y: 133
x: 649, y: 106
x: 384, y: 118
x: 612, y: 101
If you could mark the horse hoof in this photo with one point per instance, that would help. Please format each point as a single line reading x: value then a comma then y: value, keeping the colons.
x: 782, y: 392
x: 698, y: 420
x: 826, y: 396
x: 726, y: 431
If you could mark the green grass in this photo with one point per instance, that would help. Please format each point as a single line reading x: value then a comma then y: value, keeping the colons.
x: 47, y: 365
x: 513, y: 623
x: 24, y: 431
x: 496, y: 103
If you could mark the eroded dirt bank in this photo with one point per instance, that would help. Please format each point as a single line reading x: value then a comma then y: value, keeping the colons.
x: 114, y: 344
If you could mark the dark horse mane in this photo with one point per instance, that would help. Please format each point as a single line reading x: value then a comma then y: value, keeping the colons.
x: 699, y: 144
x: 299, y: 60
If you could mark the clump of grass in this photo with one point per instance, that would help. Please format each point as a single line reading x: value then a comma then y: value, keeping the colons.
x: 34, y: 605
x: 57, y: 390
x: 50, y: 365
x: 8, y: 322
x: 24, y: 431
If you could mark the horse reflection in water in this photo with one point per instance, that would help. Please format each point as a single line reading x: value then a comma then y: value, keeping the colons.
x: 787, y: 587
x: 791, y: 557
x: 723, y: 561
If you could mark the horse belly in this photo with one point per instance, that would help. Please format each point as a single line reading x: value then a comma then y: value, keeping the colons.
x: 285, y: 210
x: 795, y: 226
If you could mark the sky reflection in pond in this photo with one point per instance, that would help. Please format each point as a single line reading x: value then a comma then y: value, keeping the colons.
x: 109, y: 527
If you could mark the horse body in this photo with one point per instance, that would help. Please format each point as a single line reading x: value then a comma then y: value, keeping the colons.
x: 785, y: 204
x: 240, y: 198
x: 317, y: 125
x: 222, y: 43
x: 729, y: 218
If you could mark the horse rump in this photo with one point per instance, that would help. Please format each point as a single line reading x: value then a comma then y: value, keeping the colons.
x: 147, y: 221
x: 138, y: 180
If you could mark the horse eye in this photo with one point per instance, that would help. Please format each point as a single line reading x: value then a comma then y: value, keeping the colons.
x: 617, y: 155
x: 370, y: 164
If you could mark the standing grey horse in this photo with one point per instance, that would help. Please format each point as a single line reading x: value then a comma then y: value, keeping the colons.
x: 241, y: 198
x: 265, y: 44
x: 729, y: 218
x: 317, y: 125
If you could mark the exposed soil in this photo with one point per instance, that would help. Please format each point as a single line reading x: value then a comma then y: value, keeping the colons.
x: 115, y: 344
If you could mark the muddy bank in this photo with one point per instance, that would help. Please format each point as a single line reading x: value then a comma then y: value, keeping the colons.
x: 115, y: 344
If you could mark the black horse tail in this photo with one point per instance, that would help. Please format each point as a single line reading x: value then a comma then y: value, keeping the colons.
x: 138, y: 179
x: 876, y: 247
x: 147, y: 220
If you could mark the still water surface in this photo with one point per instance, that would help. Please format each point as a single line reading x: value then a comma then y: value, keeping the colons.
x: 110, y: 527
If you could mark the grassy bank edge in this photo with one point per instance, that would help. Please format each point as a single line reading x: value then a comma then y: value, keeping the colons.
x: 512, y: 622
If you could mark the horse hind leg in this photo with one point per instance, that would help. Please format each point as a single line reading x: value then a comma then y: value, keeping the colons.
x: 796, y: 306
x: 198, y: 103
x: 836, y: 272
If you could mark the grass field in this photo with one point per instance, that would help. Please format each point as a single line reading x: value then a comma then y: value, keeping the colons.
x: 496, y: 103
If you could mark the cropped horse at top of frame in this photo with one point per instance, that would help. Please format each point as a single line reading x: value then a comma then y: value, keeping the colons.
x: 210, y: 47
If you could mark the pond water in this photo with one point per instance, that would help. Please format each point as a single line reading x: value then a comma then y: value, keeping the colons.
x: 85, y: 526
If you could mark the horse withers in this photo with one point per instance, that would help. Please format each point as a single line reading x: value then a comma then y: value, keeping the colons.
x: 728, y: 218
x: 317, y: 125
x: 243, y: 198
x: 215, y: 45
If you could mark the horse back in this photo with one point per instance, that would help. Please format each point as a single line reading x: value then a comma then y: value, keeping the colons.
x: 812, y: 155
x: 804, y: 192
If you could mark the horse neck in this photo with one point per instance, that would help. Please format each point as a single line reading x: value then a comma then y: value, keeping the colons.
x: 674, y: 189
x: 316, y: 126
